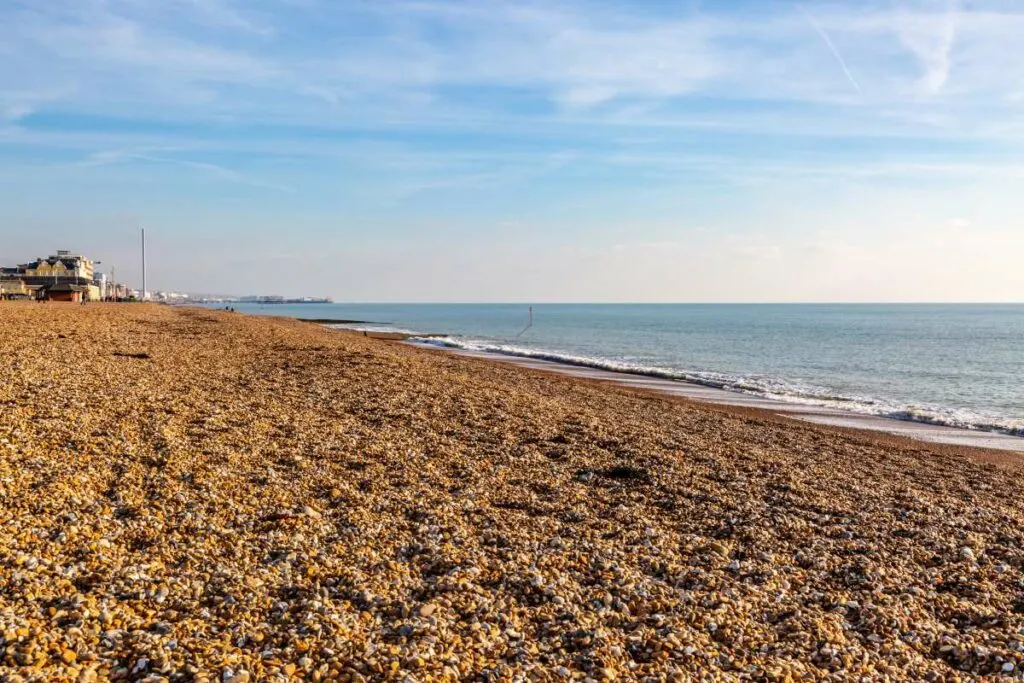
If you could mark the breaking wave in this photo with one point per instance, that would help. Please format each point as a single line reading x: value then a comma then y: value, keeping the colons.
x: 762, y: 386
x: 359, y: 327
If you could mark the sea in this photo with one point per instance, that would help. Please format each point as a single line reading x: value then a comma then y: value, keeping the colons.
x: 957, y: 365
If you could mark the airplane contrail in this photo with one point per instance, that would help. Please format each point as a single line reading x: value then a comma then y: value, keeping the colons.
x: 831, y: 46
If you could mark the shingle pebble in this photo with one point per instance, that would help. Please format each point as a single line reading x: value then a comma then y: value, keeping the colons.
x: 194, y: 495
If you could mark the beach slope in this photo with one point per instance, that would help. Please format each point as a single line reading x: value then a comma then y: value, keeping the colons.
x: 198, y: 495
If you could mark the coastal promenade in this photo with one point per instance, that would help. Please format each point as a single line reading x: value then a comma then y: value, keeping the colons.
x: 190, y: 494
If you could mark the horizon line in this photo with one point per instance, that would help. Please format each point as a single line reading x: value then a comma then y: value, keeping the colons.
x: 644, y: 303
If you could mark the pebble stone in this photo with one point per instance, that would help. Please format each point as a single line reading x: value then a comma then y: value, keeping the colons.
x: 194, y: 495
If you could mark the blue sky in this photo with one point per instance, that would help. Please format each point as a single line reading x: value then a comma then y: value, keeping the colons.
x: 526, y: 151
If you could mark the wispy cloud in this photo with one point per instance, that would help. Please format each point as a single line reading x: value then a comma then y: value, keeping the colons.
x: 504, y: 84
x: 930, y: 36
x: 281, y: 60
x: 828, y: 41
x: 152, y: 155
x: 223, y: 14
x: 16, y: 104
x: 15, y: 112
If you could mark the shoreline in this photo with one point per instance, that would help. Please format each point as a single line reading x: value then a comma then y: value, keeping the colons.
x: 986, y: 445
x: 930, y: 423
x: 906, y: 422
x: 840, y: 419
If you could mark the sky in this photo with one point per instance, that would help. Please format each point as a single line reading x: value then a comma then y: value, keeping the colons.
x: 443, y: 150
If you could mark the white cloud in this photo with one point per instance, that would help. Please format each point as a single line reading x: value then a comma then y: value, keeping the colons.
x: 930, y: 36
x: 222, y: 14
x: 205, y: 59
x: 152, y: 155
x: 832, y: 48
x: 15, y: 112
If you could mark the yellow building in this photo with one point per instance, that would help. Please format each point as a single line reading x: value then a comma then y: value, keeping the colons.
x: 64, y: 265
x: 12, y: 287
x: 64, y: 269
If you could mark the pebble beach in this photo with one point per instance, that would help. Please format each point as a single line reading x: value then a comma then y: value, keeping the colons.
x: 197, y: 495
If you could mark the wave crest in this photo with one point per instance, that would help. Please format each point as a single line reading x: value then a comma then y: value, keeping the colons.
x: 765, y: 387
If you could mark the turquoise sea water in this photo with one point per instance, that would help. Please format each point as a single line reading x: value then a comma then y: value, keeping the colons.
x: 958, y: 365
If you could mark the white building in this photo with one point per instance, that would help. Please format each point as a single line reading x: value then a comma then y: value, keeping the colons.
x: 100, y: 280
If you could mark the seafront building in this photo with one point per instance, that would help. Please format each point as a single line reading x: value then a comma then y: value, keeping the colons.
x: 12, y: 287
x: 65, y: 276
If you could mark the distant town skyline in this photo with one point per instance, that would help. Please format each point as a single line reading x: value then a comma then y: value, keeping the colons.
x: 521, y: 151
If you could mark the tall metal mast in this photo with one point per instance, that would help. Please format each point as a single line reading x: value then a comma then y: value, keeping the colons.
x: 143, y: 295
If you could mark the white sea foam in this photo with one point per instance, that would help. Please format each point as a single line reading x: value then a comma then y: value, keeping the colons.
x: 763, y: 386
x: 358, y: 327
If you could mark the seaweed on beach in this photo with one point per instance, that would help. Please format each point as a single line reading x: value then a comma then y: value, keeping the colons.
x: 626, y: 473
x: 140, y: 355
